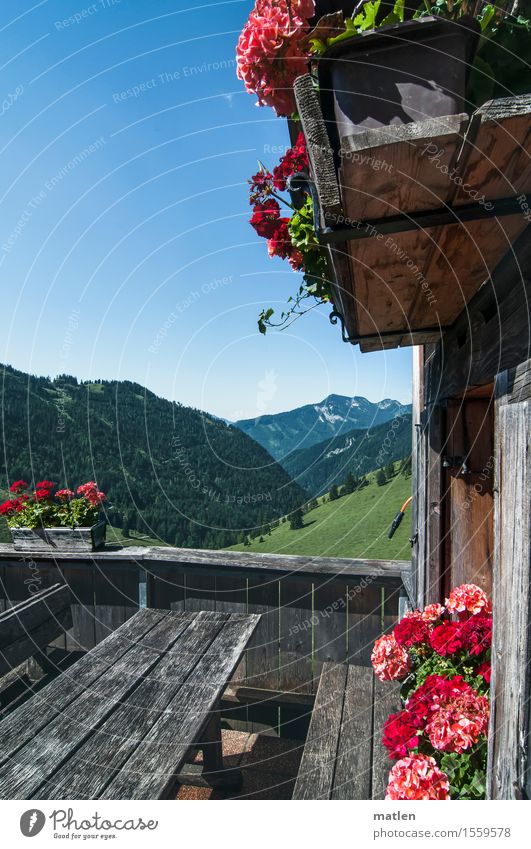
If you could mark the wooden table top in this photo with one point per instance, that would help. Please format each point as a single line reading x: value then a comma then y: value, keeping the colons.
x: 119, y: 723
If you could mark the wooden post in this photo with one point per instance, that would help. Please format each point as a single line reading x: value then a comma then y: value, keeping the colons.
x: 509, y: 739
x: 418, y: 466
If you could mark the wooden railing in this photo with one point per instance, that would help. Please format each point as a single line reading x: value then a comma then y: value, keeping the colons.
x: 313, y: 609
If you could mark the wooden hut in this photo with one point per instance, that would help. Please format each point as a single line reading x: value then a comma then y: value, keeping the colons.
x: 432, y: 249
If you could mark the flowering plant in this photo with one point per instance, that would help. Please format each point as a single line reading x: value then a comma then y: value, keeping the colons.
x: 49, y: 507
x: 289, y: 237
x: 278, y: 42
x: 272, y: 52
x: 438, y: 738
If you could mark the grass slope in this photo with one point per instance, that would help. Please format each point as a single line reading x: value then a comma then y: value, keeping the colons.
x: 355, y: 525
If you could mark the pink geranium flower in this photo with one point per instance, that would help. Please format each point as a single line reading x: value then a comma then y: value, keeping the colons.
x: 432, y: 612
x: 271, y: 53
x: 457, y: 722
x: 417, y: 777
x: 390, y: 661
x: 468, y: 598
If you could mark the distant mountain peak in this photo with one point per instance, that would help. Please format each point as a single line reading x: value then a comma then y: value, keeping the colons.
x: 282, y: 433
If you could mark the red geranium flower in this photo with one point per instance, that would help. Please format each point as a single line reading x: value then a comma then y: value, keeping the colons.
x: 18, y: 486
x: 43, y: 494
x: 446, y: 638
x: 296, y: 260
x: 485, y: 671
x: 411, y: 631
x: 400, y: 733
x: 265, y: 218
x: 476, y: 634
x: 45, y: 485
x: 294, y: 160
x: 8, y: 508
x: 261, y: 186
x: 420, y: 702
x: 280, y: 242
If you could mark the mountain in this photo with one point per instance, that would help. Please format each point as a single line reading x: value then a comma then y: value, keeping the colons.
x: 283, y: 433
x: 354, y: 525
x: 317, y: 468
x: 170, y: 471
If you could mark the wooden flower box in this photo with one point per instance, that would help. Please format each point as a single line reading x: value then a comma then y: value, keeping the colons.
x: 60, y: 539
x: 416, y: 217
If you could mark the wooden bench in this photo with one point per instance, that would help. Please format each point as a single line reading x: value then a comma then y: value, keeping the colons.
x: 27, y: 629
x: 122, y: 721
x: 343, y: 756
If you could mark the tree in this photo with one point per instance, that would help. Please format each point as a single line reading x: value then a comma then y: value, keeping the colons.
x: 350, y: 483
x: 381, y: 477
x: 296, y: 521
x: 405, y: 467
x: 334, y: 493
x: 390, y: 470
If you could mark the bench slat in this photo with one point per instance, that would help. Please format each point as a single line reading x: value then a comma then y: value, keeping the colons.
x: 151, y: 771
x: 316, y: 771
x: 352, y: 778
x: 86, y: 774
x: 35, y: 640
x: 21, y: 726
x: 27, y: 770
x: 30, y: 626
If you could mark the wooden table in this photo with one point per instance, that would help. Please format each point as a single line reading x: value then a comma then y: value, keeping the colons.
x: 120, y: 722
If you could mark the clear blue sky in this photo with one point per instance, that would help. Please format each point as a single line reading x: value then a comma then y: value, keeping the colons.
x: 125, y: 144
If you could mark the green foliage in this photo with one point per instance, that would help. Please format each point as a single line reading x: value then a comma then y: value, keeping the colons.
x: 302, y: 232
x: 430, y: 663
x: 315, y: 287
x: 502, y: 66
x: 296, y: 521
x: 334, y: 494
x: 381, y: 477
x: 353, y: 526
x: 466, y: 772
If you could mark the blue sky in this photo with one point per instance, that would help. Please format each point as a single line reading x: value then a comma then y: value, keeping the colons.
x: 125, y: 251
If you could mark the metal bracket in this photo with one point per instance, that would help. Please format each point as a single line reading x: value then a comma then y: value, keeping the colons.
x: 421, y: 220
x: 336, y: 316
x: 345, y: 230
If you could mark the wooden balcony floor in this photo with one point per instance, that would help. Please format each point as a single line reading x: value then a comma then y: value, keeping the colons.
x: 269, y: 767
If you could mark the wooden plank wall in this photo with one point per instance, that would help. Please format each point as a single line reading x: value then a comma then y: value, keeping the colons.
x: 306, y: 620
x: 509, y: 738
x: 103, y: 597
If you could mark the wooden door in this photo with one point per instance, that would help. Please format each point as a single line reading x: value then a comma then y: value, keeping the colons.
x: 468, y: 465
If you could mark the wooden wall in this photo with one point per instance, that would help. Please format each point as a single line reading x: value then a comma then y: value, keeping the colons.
x: 306, y: 619
x: 477, y: 526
